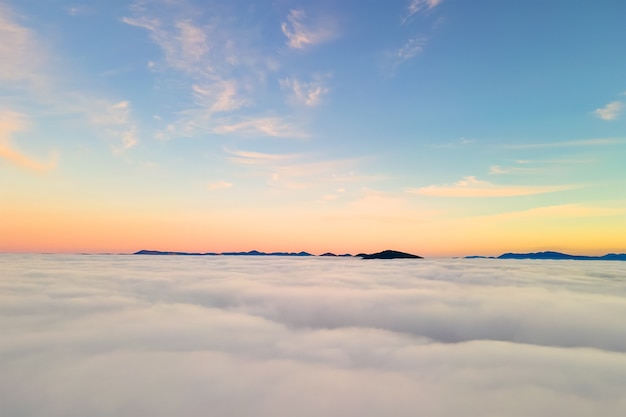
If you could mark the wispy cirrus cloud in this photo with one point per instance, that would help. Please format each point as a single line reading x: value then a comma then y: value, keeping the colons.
x: 220, y: 70
x: 414, y: 45
x: 573, y: 210
x: 609, y: 112
x: 185, y: 45
x: 416, y: 6
x: 258, y: 158
x: 299, y: 170
x: 220, y: 96
x: 307, y: 93
x: 22, y: 57
x: 301, y: 31
x: 261, y: 126
x: 569, y: 143
x: 115, y: 118
x: 27, y: 65
x: 11, y: 123
x: 219, y: 185
x: 472, y: 187
x: 410, y: 49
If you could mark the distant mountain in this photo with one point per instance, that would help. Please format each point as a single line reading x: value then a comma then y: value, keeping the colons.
x: 158, y: 252
x: 346, y: 255
x: 257, y: 253
x: 390, y: 254
x: 558, y: 255
x: 479, y: 257
x: 250, y: 253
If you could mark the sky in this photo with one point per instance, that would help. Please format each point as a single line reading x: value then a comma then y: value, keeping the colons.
x: 437, y: 127
x: 135, y: 336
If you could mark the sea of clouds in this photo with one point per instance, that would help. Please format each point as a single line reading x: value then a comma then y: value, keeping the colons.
x: 174, y: 336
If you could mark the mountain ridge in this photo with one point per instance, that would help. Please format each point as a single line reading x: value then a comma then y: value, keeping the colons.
x: 553, y: 255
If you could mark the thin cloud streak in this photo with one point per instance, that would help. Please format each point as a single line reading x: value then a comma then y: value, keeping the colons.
x: 21, y: 55
x: 219, y: 185
x: 11, y: 123
x: 304, y: 93
x: 261, y: 126
x: 561, y: 211
x: 567, y: 144
x: 410, y: 49
x: 473, y: 187
x: 301, y: 32
x: 417, y: 6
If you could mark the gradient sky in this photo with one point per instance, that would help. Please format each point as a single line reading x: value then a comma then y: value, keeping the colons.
x: 439, y: 127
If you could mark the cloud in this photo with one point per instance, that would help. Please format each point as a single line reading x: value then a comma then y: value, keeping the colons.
x: 300, y: 32
x: 472, y: 187
x: 261, y: 126
x: 304, y: 93
x: 114, y: 117
x: 569, y: 144
x: 220, y: 70
x: 219, y: 97
x: 610, y: 111
x: 333, y: 336
x: 562, y: 211
x: 258, y: 158
x: 410, y: 49
x: 417, y: 6
x: 21, y: 55
x: 13, y: 122
x: 184, y: 44
x: 27, y: 65
x: 299, y: 171
x: 219, y: 185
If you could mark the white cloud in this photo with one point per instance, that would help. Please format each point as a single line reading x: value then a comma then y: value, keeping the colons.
x: 220, y: 70
x: 114, y: 117
x: 561, y: 211
x: 11, y: 123
x: 261, y: 126
x: 417, y: 6
x: 411, y: 48
x: 299, y: 171
x: 219, y: 185
x: 219, y: 97
x: 300, y: 32
x: 27, y: 65
x: 610, y: 111
x: 258, y: 158
x: 305, y: 93
x: 163, y: 336
x: 570, y: 143
x: 21, y: 54
x: 473, y: 187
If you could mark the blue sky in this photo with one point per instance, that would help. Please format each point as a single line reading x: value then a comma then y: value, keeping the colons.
x: 406, y: 118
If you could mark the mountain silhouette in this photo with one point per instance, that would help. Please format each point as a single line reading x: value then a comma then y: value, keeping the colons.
x: 390, y: 254
x: 558, y: 255
x: 249, y: 253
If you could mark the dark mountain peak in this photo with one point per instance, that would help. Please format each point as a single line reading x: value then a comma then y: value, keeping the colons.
x: 390, y: 254
x: 158, y: 252
x: 558, y: 255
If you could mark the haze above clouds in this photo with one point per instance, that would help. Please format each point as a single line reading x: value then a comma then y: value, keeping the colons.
x: 221, y: 336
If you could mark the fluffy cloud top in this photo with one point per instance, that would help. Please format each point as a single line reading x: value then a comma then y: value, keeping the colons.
x: 162, y: 336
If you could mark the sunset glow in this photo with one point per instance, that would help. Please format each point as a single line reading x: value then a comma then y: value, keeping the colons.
x: 442, y: 128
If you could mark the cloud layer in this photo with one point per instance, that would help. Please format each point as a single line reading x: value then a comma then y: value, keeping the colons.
x: 147, y: 336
